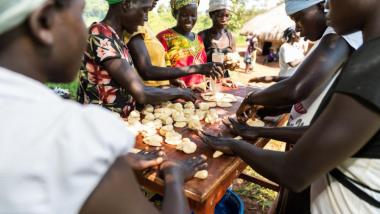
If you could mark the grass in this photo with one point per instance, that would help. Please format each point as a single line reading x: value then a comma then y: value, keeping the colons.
x: 71, y: 87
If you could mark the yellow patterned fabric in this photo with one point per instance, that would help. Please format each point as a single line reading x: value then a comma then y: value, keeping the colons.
x: 177, y: 4
x: 155, y: 50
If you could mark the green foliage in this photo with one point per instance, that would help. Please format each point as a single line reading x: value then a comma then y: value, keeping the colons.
x: 95, y: 11
x: 72, y: 87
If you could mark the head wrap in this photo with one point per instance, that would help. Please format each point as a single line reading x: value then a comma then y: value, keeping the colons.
x: 294, y: 6
x: 219, y: 5
x: 177, y: 4
x: 15, y: 12
x: 111, y: 2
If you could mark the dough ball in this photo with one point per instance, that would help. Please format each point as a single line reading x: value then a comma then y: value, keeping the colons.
x: 255, y: 123
x: 202, y: 174
x: 154, y: 140
x: 217, y: 154
x: 189, y: 105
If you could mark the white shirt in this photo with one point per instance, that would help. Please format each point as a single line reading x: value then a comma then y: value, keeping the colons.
x: 53, y: 152
x: 288, y: 53
x: 302, y: 113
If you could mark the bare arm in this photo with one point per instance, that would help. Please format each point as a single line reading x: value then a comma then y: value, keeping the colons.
x: 148, y: 71
x: 126, y: 76
x: 267, y: 79
x: 119, y: 192
x: 315, y: 70
x: 286, y: 134
x: 337, y: 139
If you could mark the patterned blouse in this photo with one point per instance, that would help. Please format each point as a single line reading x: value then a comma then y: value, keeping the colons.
x: 181, y: 52
x: 96, y: 84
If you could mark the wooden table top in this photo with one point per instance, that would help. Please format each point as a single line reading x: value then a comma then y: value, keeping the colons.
x: 218, y: 169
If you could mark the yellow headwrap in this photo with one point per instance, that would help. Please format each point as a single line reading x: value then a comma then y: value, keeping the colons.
x: 15, y: 12
x: 177, y: 4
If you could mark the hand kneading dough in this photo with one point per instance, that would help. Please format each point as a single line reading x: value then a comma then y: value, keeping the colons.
x: 203, y: 174
x: 255, y: 123
x: 217, y: 154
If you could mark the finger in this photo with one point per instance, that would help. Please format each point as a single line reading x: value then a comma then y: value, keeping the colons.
x: 150, y: 163
x: 201, y: 167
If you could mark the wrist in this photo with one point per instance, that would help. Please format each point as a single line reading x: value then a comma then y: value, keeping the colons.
x: 173, y: 173
x: 250, y: 99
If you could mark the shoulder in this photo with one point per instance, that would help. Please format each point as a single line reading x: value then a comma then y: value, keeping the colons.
x: 97, y: 121
x: 360, y: 76
x: 165, y: 33
x: 99, y: 29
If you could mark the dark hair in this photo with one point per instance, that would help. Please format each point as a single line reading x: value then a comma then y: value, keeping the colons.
x: 288, y: 33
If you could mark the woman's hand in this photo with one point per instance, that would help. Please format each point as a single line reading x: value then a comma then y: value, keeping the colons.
x: 145, y: 159
x: 186, y: 94
x: 178, y: 83
x: 218, y: 143
x: 227, y: 82
x: 244, y: 112
x: 184, y: 168
x: 214, y: 70
x: 241, y: 129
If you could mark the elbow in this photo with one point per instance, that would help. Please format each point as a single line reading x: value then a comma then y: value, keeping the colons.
x: 297, y: 187
x: 141, y: 98
x: 144, y: 74
x: 295, y: 181
x: 298, y: 94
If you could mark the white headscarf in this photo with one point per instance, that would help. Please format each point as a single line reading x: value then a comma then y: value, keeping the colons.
x: 219, y: 5
x: 14, y: 12
x: 294, y: 6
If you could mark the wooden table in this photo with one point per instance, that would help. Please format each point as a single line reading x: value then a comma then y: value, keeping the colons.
x: 203, y: 195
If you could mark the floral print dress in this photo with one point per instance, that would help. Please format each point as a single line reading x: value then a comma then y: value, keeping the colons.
x: 181, y: 52
x: 96, y: 84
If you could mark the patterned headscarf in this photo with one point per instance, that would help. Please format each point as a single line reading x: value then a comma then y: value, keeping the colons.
x: 177, y: 4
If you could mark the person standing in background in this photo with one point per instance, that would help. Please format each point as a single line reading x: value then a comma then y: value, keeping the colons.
x: 290, y: 56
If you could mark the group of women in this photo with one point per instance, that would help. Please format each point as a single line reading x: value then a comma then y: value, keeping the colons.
x: 123, y: 43
x: 61, y: 157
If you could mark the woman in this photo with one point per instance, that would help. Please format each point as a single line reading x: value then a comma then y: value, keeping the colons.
x: 65, y: 148
x: 182, y: 46
x: 289, y: 55
x: 108, y: 77
x: 148, y: 56
x: 218, y: 39
x: 346, y: 132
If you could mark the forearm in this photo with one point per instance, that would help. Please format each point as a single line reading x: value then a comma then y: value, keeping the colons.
x: 265, y: 162
x: 285, y: 134
x: 169, y: 73
x: 151, y: 95
x: 175, y: 200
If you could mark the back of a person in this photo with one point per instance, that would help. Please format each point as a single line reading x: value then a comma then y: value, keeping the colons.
x: 53, y: 152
